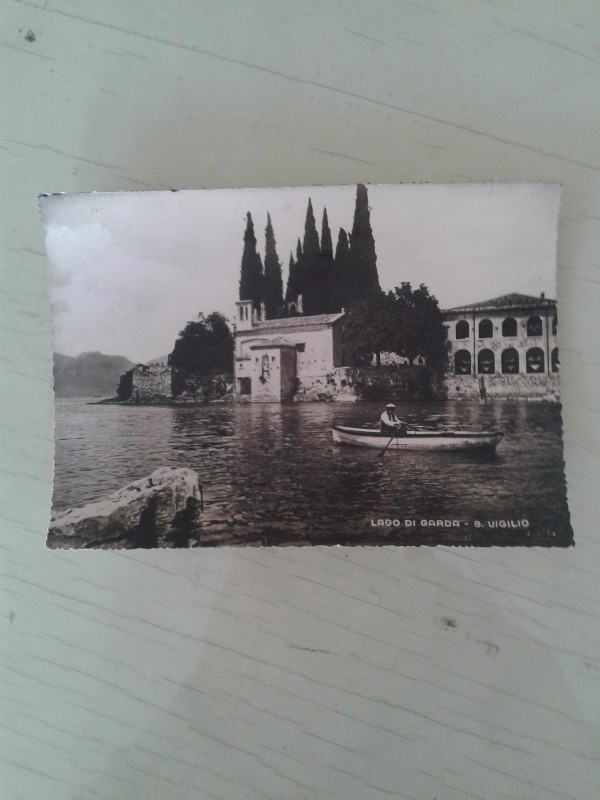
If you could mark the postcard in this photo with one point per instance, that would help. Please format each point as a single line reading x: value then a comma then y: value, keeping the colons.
x: 330, y: 365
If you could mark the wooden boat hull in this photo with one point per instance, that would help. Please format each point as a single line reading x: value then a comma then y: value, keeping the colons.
x: 417, y: 439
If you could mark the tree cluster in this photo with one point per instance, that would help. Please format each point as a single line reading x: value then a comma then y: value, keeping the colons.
x: 407, y: 322
x: 203, y: 349
x: 319, y: 280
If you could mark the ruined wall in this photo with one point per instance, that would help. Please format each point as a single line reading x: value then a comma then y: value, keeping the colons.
x: 201, y: 388
x: 372, y: 383
x: 336, y: 385
x: 151, y: 383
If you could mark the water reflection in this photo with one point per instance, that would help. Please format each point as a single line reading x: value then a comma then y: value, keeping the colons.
x: 273, y: 476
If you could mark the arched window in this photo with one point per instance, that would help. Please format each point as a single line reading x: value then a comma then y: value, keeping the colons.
x: 534, y: 359
x: 486, y: 362
x: 509, y: 327
x: 462, y: 329
x: 510, y: 361
x: 462, y: 362
x: 534, y: 326
x: 554, y: 362
x: 486, y: 329
x: 554, y: 326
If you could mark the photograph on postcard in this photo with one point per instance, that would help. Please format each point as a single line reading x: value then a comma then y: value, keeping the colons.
x: 344, y: 365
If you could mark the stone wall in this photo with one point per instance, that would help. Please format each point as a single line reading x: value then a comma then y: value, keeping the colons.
x: 372, y: 383
x: 151, y: 383
x: 336, y: 385
x: 505, y: 387
x: 202, y: 388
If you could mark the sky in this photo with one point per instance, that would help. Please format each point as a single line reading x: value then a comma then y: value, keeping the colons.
x: 128, y: 270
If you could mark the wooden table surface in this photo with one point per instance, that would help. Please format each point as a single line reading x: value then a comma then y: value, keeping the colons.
x: 308, y: 673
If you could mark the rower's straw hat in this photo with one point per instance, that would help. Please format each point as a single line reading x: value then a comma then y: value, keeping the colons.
x: 390, y: 405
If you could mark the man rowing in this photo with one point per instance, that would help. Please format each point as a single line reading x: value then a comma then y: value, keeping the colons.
x: 389, y: 422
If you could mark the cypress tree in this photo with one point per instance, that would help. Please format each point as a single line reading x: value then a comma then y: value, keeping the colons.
x: 251, y: 273
x: 290, y: 281
x: 295, y: 284
x: 310, y: 245
x: 311, y: 294
x: 343, y: 274
x: 273, y: 283
x: 362, y: 246
x: 326, y: 275
x: 326, y: 243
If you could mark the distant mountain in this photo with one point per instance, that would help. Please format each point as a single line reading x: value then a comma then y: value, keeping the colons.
x: 159, y: 360
x: 88, y: 375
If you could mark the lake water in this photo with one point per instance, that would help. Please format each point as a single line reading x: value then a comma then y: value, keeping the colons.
x: 272, y: 475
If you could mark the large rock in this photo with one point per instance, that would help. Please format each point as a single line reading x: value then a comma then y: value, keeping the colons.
x: 158, y: 511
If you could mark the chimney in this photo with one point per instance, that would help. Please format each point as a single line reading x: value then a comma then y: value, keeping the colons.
x: 299, y: 305
x: 543, y: 295
x: 263, y: 311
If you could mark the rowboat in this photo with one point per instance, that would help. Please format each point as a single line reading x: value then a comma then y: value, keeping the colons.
x: 417, y: 439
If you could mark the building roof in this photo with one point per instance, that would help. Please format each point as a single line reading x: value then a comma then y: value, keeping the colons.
x: 506, y: 302
x: 272, y: 325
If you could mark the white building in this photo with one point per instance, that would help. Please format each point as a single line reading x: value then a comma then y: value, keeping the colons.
x: 277, y: 360
x: 507, y: 344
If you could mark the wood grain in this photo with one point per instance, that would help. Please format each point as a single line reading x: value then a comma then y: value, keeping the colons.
x: 322, y: 673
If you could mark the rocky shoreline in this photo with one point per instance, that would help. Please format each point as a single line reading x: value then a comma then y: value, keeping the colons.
x: 161, y: 510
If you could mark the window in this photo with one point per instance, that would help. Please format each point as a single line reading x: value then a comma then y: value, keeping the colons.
x: 534, y: 326
x: 462, y: 363
x: 554, y: 362
x: 462, y: 329
x: 245, y: 385
x: 509, y: 327
x: 510, y: 361
x: 242, y: 312
x: 301, y: 347
x: 554, y: 326
x: 534, y: 359
x: 486, y: 362
x: 486, y: 329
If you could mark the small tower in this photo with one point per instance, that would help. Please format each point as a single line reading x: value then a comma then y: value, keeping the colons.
x: 244, y: 316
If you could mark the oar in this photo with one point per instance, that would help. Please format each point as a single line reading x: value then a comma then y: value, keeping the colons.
x: 382, y: 453
x: 394, y: 436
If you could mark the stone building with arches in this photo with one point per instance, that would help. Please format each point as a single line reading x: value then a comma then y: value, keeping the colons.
x: 505, y: 347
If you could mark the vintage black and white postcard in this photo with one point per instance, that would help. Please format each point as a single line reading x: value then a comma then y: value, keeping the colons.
x: 354, y: 365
